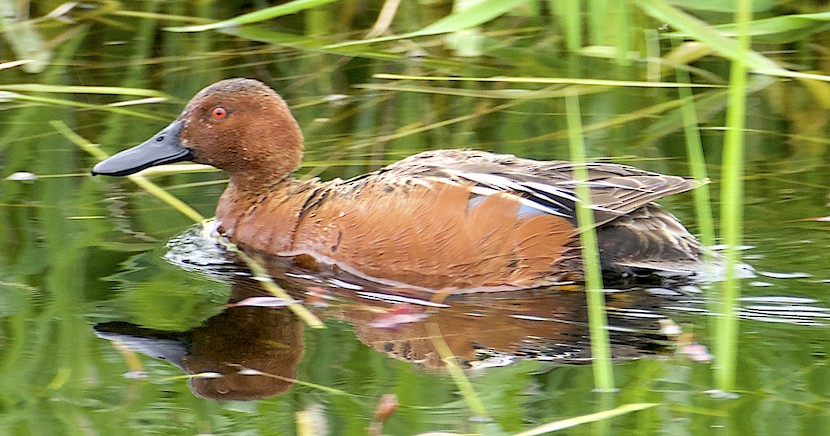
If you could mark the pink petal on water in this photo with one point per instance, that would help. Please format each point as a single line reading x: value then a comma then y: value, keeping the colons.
x: 397, y: 316
x: 262, y: 302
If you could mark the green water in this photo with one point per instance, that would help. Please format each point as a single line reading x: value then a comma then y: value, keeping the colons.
x: 76, y: 251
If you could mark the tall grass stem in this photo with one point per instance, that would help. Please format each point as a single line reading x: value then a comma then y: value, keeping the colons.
x: 731, y: 204
x: 597, y: 321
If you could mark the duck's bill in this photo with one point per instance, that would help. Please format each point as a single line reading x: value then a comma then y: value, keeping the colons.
x: 163, y: 148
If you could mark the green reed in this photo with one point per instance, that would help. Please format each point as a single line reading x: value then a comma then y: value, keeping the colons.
x: 697, y: 168
x: 570, y: 18
x: 697, y: 161
x: 731, y: 216
x: 724, y: 300
x: 597, y: 321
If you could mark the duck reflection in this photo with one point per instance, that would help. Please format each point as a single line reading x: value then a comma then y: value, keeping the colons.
x: 250, y: 351
x: 494, y: 331
x: 224, y: 351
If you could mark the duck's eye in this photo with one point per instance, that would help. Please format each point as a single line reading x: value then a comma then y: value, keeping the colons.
x: 219, y: 113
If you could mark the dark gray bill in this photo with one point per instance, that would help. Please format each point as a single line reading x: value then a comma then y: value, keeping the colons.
x: 163, y: 148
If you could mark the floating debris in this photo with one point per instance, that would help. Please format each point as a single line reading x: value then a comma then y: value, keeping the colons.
x: 22, y: 176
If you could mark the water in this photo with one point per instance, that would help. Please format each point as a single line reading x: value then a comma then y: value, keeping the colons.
x: 79, y: 252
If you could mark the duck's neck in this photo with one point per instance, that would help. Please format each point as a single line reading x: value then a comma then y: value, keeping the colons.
x: 265, y: 217
x: 255, y: 183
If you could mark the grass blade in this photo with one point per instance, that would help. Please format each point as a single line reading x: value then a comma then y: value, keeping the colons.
x: 256, y: 16
x: 461, y: 380
x: 703, y: 32
x: 548, y: 81
x: 731, y: 201
x: 72, y: 103
x: 697, y: 163
x: 584, y: 419
x: 570, y: 18
x: 470, y: 17
x: 597, y: 321
x: 66, y: 89
x: 779, y: 30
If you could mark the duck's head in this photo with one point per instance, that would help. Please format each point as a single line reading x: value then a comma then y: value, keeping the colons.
x: 238, y: 125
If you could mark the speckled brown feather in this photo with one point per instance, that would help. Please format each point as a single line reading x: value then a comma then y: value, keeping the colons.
x: 615, y: 189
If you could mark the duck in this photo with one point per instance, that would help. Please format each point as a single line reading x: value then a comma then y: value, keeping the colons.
x: 438, y: 220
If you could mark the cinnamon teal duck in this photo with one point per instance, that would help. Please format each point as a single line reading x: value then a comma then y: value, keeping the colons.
x: 446, y: 219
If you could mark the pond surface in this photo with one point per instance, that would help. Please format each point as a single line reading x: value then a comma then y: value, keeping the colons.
x: 103, y: 319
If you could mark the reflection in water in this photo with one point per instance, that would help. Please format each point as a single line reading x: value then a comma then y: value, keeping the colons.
x: 269, y: 341
x: 481, y: 330
x: 547, y: 325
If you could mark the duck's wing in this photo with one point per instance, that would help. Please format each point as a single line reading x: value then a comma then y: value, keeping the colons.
x: 548, y: 185
x: 434, y: 233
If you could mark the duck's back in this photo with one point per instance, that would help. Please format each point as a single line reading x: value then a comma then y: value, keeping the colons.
x: 615, y: 189
x: 635, y: 236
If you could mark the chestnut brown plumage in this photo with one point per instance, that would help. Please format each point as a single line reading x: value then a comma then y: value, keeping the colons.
x: 447, y: 219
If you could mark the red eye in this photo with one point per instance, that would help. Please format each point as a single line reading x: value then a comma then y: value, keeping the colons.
x: 219, y: 113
